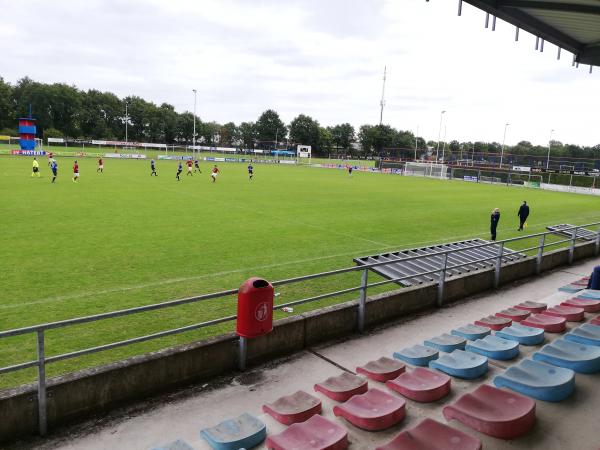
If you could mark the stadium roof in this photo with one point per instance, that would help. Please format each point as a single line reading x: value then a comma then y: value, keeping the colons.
x: 573, y: 25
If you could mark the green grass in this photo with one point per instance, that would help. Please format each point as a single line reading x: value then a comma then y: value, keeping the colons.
x: 124, y: 239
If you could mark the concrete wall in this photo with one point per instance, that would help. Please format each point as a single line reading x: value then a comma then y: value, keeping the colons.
x: 80, y: 394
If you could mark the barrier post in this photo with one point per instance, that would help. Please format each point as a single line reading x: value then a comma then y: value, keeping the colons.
x: 538, y: 267
x: 243, y: 351
x: 42, y: 406
x: 362, y: 301
x: 498, y: 265
x: 572, y: 247
x: 442, y: 280
x: 597, y: 241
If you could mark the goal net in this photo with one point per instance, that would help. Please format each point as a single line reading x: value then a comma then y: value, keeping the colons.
x: 426, y: 169
x: 486, y: 179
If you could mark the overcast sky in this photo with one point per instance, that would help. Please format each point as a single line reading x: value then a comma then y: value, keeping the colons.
x: 324, y: 58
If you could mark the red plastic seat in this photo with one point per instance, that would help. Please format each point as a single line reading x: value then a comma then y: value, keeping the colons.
x: 532, y: 307
x: 494, y: 322
x: 382, y: 369
x: 432, y: 435
x: 595, y: 321
x: 589, y: 306
x: 342, y: 387
x: 374, y: 410
x: 551, y: 324
x: 494, y: 412
x: 571, y: 313
x: 293, y: 408
x: 582, y: 281
x: 514, y: 314
x: 317, y: 433
x: 421, y: 385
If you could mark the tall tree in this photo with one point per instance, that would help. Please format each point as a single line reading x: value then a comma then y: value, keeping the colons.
x: 7, y: 107
x: 342, y: 136
x: 247, y: 135
x: 305, y: 130
x: 269, y: 127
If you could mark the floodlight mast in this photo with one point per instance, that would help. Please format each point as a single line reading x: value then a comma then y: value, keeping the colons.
x: 382, y: 102
x: 194, y: 136
x: 126, y: 122
x: 437, y: 152
x: 549, y: 147
x: 503, y: 141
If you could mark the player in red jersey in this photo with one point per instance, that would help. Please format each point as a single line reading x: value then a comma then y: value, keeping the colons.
x: 215, y: 172
x: 75, y: 172
x: 100, y: 166
x: 190, y: 164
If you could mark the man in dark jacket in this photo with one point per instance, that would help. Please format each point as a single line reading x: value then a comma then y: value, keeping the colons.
x: 523, y: 214
x: 495, y: 218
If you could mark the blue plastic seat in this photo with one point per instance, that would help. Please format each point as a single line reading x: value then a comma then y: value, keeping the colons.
x: 245, y: 431
x: 494, y: 347
x: 587, y: 334
x: 471, y: 332
x: 522, y: 334
x: 177, y: 445
x: 461, y: 364
x: 571, y: 355
x: 588, y: 293
x: 571, y: 288
x: 446, y: 343
x: 417, y: 355
x: 538, y: 380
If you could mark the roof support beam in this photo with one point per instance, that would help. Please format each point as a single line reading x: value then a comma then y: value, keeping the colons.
x: 549, y: 6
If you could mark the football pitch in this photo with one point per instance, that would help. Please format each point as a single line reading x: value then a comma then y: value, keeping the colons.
x: 123, y: 239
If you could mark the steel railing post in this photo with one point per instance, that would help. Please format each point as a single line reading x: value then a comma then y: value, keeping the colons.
x: 498, y: 265
x: 597, y: 241
x: 42, y: 405
x: 442, y: 280
x: 243, y: 352
x: 538, y: 267
x: 572, y: 247
x: 362, y: 301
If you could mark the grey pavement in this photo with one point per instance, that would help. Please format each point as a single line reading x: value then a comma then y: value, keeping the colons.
x: 571, y: 424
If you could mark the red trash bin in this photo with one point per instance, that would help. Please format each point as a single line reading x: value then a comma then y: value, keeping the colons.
x: 255, y: 308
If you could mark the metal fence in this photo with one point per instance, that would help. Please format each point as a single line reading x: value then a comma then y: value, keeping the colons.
x: 441, y: 274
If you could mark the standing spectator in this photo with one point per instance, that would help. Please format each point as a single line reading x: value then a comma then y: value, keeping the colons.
x: 495, y: 218
x: 523, y: 215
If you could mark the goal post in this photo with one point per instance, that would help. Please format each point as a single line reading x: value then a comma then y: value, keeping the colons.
x: 433, y: 170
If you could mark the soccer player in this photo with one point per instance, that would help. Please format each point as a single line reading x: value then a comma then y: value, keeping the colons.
x: 189, y: 166
x: 196, y: 166
x: 179, y: 170
x: 35, y: 168
x: 75, y: 172
x: 54, y: 168
x: 153, y: 167
x: 350, y: 170
x: 214, y: 173
x: 100, y: 166
x: 250, y: 171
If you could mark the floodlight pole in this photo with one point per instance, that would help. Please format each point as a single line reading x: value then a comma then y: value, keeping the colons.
x: 194, y: 136
x: 416, y: 142
x: 126, y: 121
x: 549, y: 147
x: 437, y: 152
x: 503, y: 141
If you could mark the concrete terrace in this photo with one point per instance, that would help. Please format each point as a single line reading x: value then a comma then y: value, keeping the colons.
x: 570, y: 424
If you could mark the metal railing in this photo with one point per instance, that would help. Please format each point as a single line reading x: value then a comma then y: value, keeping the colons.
x: 42, y: 360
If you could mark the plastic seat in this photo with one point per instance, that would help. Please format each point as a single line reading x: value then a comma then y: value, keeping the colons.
x: 246, y: 431
x: 522, y: 334
x: 446, y: 343
x: 582, y: 281
x: 587, y: 334
x: 382, y: 369
x: 461, y: 364
x: 571, y: 313
x: 514, y: 314
x: 472, y: 332
x: 317, y: 433
x: 374, y: 410
x: 551, y: 324
x: 494, y: 322
x: 589, y: 293
x: 417, y: 355
x: 595, y: 321
x: 494, y: 347
x: 578, y: 357
x: 421, y: 385
x: 177, y: 445
x: 571, y: 288
x: 342, y: 387
x: 494, y: 412
x: 588, y: 305
x: 538, y: 380
x: 293, y: 408
x: 532, y: 307
x: 432, y: 435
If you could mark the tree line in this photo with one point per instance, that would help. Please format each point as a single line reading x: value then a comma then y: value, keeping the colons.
x: 65, y: 111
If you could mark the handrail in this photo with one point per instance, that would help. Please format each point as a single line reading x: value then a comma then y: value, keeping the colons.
x: 442, y: 271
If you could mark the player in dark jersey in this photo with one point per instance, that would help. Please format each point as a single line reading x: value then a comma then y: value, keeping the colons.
x: 54, y: 168
x: 196, y: 166
x: 250, y: 171
x: 350, y: 170
x: 153, y: 168
x: 179, y: 170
